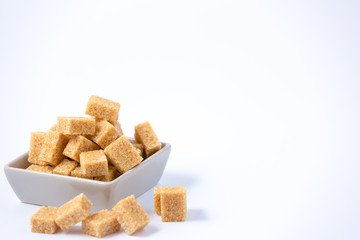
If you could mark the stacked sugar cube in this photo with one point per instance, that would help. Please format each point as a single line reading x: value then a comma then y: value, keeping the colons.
x: 92, y: 148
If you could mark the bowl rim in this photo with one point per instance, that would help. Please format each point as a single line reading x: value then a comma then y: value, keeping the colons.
x: 164, y: 147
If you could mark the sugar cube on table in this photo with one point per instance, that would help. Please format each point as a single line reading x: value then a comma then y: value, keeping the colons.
x: 73, y: 211
x: 101, y: 224
x: 131, y: 216
x: 43, y: 221
x: 170, y: 203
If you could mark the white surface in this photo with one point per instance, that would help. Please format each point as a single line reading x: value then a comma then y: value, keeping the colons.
x: 259, y: 100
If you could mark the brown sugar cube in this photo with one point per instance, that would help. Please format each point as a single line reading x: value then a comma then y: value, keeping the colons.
x: 46, y: 169
x: 65, y: 167
x: 145, y: 134
x: 112, y: 174
x: 36, y: 142
x: 76, y: 125
x: 43, y: 221
x: 157, y: 203
x: 138, y: 146
x: 94, y: 163
x: 77, y: 145
x: 78, y: 172
x: 53, y: 146
x: 102, y: 108
x: 105, y: 133
x: 131, y: 216
x: 170, y: 202
x: 53, y: 128
x: 101, y: 224
x: 122, y: 154
x: 117, y: 125
x: 73, y: 211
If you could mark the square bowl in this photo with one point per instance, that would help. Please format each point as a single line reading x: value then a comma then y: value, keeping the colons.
x: 54, y: 190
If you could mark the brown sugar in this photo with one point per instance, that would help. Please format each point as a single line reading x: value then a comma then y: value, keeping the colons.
x: 138, y: 146
x: 117, y: 125
x: 43, y: 221
x: 36, y: 142
x: 65, y: 167
x: 131, y: 216
x: 78, y: 145
x: 105, y: 133
x: 157, y: 202
x: 78, y: 172
x: 38, y: 168
x: 102, y: 108
x: 76, y: 125
x: 111, y: 175
x: 73, y: 211
x: 170, y: 203
x: 53, y: 146
x: 101, y: 224
x: 122, y: 154
x: 94, y: 163
x: 53, y: 128
x: 145, y: 134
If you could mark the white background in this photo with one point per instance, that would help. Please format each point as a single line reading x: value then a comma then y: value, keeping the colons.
x: 259, y: 100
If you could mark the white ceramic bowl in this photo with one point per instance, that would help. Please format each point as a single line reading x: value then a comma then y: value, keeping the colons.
x: 54, y: 190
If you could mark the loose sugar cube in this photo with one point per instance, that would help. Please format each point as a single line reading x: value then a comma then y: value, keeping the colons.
x: 94, y: 163
x: 101, y: 224
x: 78, y: 145
x: 53, y: 146
x: 122, y: 154
x: 131, y: 216
x: 73, y: 212
x: 76, y: 125
x: 65, y: 167
x: 117, y: 125
x: 170, y: 203
x: 36, y: 142
x: 78, y: 172
x: 157, y: 198
x: 112, y: 174
x: 43, y: 221
x: 145, y: 134
x: 157, y: 202
x: 105, y: 133
x: 46, y: 169
x: 102, y: 108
